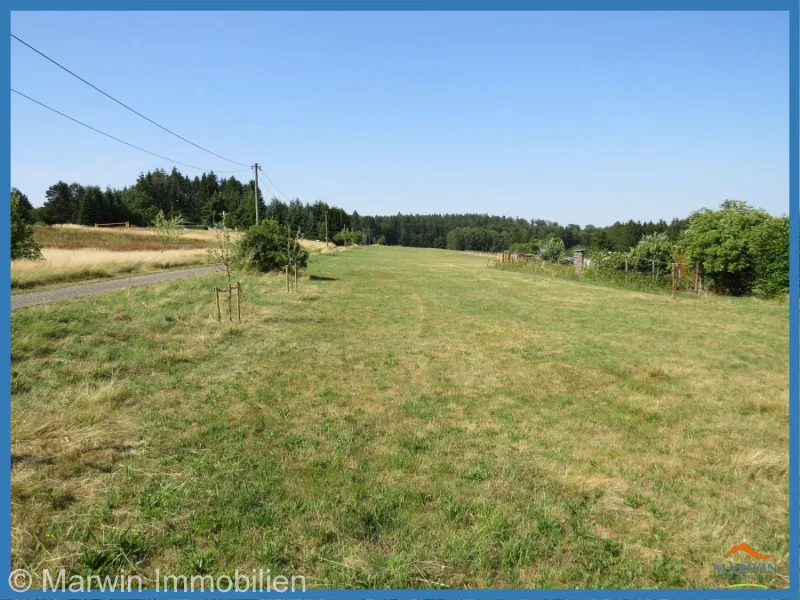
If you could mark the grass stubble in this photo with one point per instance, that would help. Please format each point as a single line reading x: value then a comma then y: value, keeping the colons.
x: 409, y: 418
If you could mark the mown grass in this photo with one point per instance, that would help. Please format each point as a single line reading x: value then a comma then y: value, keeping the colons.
x: 409, y: 418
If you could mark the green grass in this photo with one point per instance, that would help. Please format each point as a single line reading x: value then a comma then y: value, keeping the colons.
x: 409, y: 418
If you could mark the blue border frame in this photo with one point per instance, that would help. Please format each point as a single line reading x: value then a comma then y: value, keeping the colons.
x: 790, y: 6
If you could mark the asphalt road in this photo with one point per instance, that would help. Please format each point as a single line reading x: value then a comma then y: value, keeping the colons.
x: 87, y: 289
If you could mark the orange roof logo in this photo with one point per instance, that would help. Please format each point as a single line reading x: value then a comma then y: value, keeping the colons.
x: 748, y: 550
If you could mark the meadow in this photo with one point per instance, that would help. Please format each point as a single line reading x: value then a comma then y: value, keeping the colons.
x: 408, y: 418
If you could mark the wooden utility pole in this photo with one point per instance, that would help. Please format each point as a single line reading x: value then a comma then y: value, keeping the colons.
x: 255, y: 168
x: 326, y: 228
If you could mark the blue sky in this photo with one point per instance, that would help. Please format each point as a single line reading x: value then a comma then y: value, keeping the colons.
x: 575, y: 117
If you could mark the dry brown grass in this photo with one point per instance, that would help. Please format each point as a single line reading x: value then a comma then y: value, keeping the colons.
x: 314, y: 246
x: 120, y: 239
x: 147, y: 232
x: 62, y: 266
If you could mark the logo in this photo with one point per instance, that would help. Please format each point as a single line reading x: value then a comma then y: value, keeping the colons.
x: 758, y: 567
x: 747, y: 549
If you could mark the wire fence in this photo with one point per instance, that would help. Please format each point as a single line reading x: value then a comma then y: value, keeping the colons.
x: 650, y: 275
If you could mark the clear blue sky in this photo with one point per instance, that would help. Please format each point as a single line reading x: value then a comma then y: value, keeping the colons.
x: 575, y: 117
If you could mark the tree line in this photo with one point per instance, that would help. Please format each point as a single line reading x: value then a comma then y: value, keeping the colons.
x: 737, y: 243
x: 203, y: 200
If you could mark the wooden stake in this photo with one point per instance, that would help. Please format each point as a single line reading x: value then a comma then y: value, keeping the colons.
x: 230, y: 298
x: 697, y: 278
x: 216, y: 294
x: 239, y: 300
x: 287, y: 277
x: 295, y: 276
x: 673, y: 281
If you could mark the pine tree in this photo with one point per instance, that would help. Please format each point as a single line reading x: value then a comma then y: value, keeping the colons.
x: 92, y: 207
x: 22, y: 243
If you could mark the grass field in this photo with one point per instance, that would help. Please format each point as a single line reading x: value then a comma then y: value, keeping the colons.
x: 409, y: 418
x: 117, y: 239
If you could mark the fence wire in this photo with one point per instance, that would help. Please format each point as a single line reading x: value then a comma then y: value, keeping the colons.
x: 658, y: 276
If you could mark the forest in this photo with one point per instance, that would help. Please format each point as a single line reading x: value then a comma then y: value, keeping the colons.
x: 202, y: 200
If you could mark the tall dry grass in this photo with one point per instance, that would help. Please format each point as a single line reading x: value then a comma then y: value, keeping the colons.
x: 121, y: 239
x: 61, y: 266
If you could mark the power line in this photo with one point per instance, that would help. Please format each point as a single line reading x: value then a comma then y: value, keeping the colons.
x: 119, y: 140
x: 273, y: 184
x: 128, y: 107
x: 263, y: 185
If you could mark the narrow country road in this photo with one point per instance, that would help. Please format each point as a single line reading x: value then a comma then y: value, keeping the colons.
x: 77, y: 291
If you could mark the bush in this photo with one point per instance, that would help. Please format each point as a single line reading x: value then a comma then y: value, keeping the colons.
x: 657, y: 247
x: 551, y: 248
x: 268, y: 247
x: 520, y: 248
x: 770, y: 247
x: 607, y: 260
x: 723, y: 241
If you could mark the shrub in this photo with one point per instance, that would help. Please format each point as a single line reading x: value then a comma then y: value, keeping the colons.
x: 608, y: 260
x: 723, y: 241
x: 520, y: 248
x: 657, y: 247
x: 551, y: 248
x: 770, y: 247
x: 268, y: 247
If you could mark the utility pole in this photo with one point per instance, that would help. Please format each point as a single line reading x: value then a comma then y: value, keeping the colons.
x: 326, y: 228
x: 255, y: 168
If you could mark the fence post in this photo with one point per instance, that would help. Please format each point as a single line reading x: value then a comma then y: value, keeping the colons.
x: 673, y: 281
x: 697, y: 278
x: 577, y: 257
